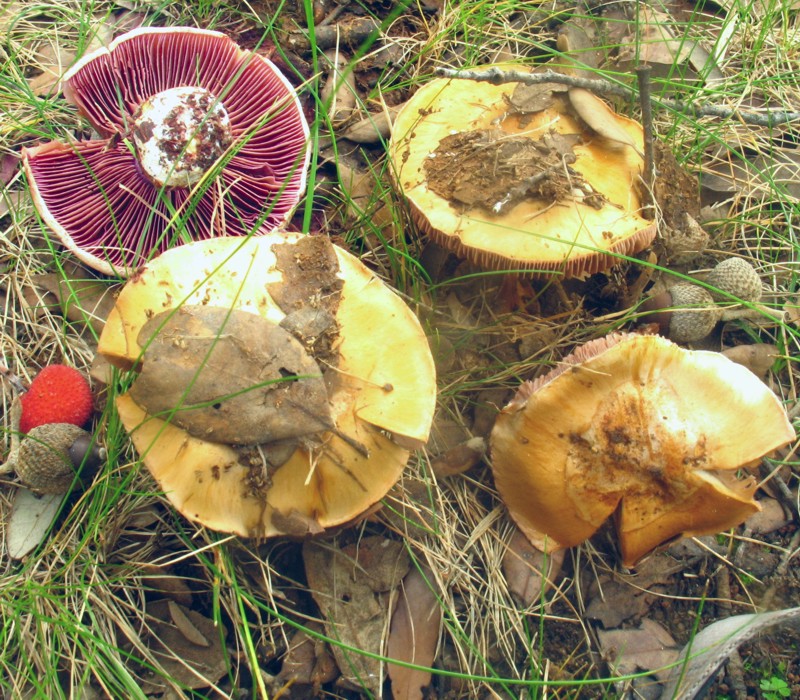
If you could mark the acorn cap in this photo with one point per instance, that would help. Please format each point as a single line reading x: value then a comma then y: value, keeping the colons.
x: 51, y: 456
x: 738, y: 278
x: 635, y: 427
x: 685, y: 313
x: 561, y: 232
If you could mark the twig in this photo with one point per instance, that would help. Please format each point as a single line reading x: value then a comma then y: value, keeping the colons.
x: 496, y: 76
x: 649, y: 177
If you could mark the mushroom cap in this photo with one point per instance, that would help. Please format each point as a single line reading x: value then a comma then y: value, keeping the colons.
x: 97, y: 199
x: 382, y: 393
x: 537, y: 234
x: 737, y: 277
x: 636, y: 427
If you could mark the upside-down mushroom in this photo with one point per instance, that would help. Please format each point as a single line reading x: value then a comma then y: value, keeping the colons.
x: 635, y: 427
x: 198, y: 138
x: 355, y: 345
x: 521, y: 182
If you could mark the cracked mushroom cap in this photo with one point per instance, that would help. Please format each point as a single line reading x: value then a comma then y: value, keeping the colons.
x: 636, y: 427
x: 462, y: 157
x: 198, y: 138
x: 381, y: 392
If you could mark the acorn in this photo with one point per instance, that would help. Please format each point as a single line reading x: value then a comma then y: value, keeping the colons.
x: 735, y: 277
x: 684, y: 313
x: 50, y: 457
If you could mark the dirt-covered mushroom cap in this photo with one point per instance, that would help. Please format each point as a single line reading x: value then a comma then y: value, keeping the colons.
x: 199, y: 138
x: 377, y: 371
x: 635, y: 427
x: 514, y: 187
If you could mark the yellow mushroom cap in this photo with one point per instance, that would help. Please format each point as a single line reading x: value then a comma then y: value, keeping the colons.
x: 636, y: 427
x: 536, y: 234
x: 382, y: 393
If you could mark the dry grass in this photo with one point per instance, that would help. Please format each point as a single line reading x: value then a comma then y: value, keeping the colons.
x: 74, y: 615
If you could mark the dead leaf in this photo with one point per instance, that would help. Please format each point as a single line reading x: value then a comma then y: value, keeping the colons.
x: 184, y: 624
x: 229, y: 376
x: 757, y: 357
x: 460, y: 458
x: 649, y: 648
x: 30, y: 520
x: 771, y: 517
x: 306, y: 662
x: 354, y: 614
x: 187, y: 663
x: 709, y: 649
x: 81, y: 297
x: 528, y: 571
x: 601, y: 118
x: 414, y: 635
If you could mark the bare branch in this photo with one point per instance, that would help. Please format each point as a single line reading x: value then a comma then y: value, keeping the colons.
x: 496, y: 76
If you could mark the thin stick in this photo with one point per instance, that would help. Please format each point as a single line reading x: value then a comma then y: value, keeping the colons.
x: 643, y: 78
x: 496, y: 76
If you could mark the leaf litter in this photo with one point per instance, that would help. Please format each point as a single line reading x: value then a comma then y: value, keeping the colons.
x: 465, y: 545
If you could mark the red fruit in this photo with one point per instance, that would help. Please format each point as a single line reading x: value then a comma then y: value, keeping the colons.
x: 58, y: 394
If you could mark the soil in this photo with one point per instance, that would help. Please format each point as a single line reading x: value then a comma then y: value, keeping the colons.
x: 488, y: 169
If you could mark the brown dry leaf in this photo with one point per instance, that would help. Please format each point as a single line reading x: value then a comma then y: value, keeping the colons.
x: 771, y: 517
x: 619, y: 597
x: 414, y: 635
x: 82, y: 297
x: 306, y: 662
x: 351, y: 592
x: 757, y: 357
x: 657, y: 44
x: 173, y: 587
x: 648, y: 648
x: 459, y: 458
x: 188, y: 664
x: 239, y: 378
x: 524, y: 566
x: 185, y: 625
x: 601, y: 118
x: 53, y: 60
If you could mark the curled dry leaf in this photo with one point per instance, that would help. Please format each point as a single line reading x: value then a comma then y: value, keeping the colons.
x: 601, y: 118
x: 711, y: 647
x: 413, y: 635
x: 351, y: 590
x: 307, y: 661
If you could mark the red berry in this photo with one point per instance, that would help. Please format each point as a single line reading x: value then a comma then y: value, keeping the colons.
x: 58, y: 394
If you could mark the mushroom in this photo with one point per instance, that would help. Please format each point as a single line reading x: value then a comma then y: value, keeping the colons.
x: 375, y: 365
x: 635, y: 427
x: 520, y: 185
x: 199, y: 138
